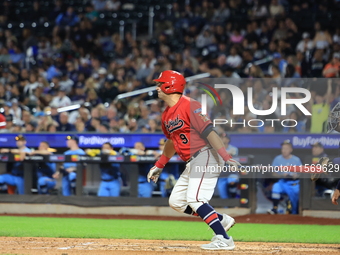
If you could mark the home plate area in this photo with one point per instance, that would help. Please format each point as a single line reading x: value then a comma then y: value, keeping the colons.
x: 68, y: 246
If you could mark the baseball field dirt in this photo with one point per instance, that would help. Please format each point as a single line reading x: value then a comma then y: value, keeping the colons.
x: 67, y: 246
x: 76, y: 246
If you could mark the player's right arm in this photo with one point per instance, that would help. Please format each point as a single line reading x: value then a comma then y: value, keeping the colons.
x: 168, y: 152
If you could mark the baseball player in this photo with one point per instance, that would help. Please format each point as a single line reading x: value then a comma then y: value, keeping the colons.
x: 326, y: 162
x: 318, y: 152
x: 333, y: 127
x: 45, y: 170
x: 110, y: 174
x: 191, y: 135
x: 145, y: 188
x: 289, y: 185
x: 69, y: 169
x: 16, y: 176
x: 169, y: 174
x: 336, y: 192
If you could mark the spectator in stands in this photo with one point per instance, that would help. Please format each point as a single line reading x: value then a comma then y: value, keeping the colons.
x: 316, y: 64
x: 79, y: 95
x: 91, y: 13
x: 69, y: 169
x: 15, y: 177
x: 64, y: 125
x: 66, y: 20
x: 322, y: 36
x: 234, y: 60
x: 299, y: 125
x: 275, y: 9
x: 84, y: 115
x: 236, y: 36
x: 331, y: 70
x: 99, y: 5
x: 144, y: 117
x: 27, y: 118
x: 113, y: 5
x: 52, y: 128
x: 108, y: 92
x: 57, y: 9
x: 155, y: 110
x: 66, y: 83
x: 222, y: 13
x: 306, y: 44
x: 289, y: 185
x: 93, y: 98
x: 320, y: 109
x: 280, y: 62
x: 61, y: 100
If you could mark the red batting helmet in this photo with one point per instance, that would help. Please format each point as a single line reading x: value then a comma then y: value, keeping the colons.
x: 173, y: 82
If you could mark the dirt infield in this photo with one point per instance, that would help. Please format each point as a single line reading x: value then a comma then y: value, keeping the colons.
x: 63, y: 246
x: 251, y: 218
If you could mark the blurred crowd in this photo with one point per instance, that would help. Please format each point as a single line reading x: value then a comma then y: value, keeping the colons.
x: 63, y: 65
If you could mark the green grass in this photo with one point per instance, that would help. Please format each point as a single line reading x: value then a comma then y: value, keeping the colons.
x: 163, y: 230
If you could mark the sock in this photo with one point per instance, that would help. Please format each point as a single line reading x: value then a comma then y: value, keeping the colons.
x: 209, y: 215
x: 220, y: 216
x: 189, y: 211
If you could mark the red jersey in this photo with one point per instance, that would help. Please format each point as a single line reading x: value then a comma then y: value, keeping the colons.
x: 183, y: 123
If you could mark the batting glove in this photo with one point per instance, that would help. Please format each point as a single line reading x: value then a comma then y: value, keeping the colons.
x: 234, y: 163
x: 154, y: 173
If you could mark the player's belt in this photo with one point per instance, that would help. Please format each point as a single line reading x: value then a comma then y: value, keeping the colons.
x: 205, y: 148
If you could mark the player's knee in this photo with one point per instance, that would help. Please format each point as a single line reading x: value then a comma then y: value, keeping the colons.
x: 177, y: 204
